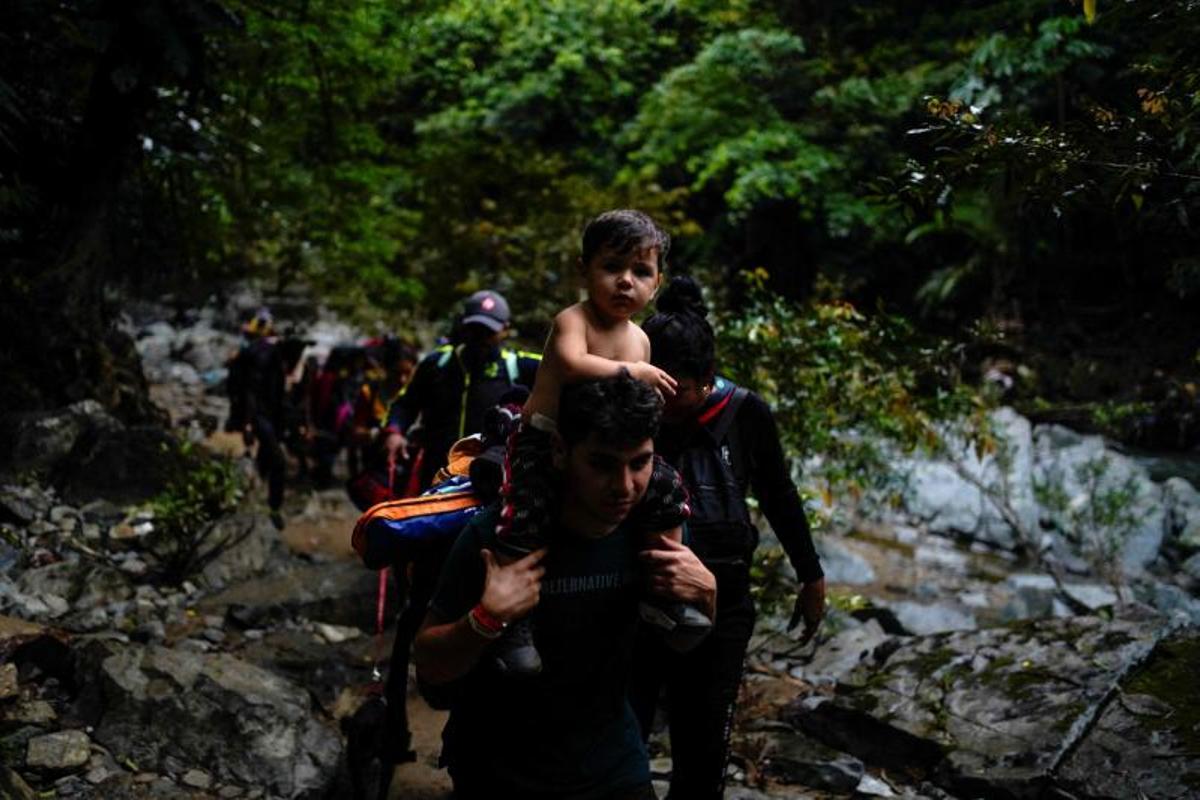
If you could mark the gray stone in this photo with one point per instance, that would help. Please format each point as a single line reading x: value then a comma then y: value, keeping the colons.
x: 31, y: 712
x: 1092, y: 596
x: 841, y: 565
x: 22, y: 504
x: 170, y: 708
x: 874, y: 787
x: 8, y: 681
x: 942, y: 557
x: 923, y: 619
x: 14, y: 787
x: 63, y: 750
x: 835, y: 658
x: 993, y: 709
x: 197, y: 779
x: 1170, y: 600
x: 799, y: 760
x: 1134, y: 539
x: 1149, y: 725
x: 46, y: 439
x: 1183, y: 511
x: 945, y: 495
x: 1192, y: 566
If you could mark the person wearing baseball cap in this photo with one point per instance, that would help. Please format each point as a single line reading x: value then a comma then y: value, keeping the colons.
x: 446, y: 399
x: 486, y: 308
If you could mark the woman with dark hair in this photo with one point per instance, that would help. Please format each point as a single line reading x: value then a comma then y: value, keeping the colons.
x: 723, y: 440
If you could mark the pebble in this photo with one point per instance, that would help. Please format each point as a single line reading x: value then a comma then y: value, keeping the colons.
x: 196, y: 779
x: 8, y: 681
x: 61, y: 750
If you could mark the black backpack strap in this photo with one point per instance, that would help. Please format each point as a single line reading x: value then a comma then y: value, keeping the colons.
x: 721, y: 428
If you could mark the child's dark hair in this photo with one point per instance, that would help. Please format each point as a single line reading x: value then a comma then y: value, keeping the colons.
x: 622, y: 231
x: 620, y: 410
x: 681, y: 341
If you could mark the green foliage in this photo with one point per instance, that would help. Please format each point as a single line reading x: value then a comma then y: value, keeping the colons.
x: 844, y: 386
x: 185, y: 538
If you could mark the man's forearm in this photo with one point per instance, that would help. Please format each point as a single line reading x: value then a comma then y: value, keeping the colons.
x: 447, y: 651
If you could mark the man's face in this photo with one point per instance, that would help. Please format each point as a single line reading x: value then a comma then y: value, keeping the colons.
x: 604, y: 482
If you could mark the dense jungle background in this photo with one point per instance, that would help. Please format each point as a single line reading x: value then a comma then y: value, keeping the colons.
x: 955, y: 245
x: 1020, y: 177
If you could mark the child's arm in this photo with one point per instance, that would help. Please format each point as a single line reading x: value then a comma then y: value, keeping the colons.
x: 567, y: 347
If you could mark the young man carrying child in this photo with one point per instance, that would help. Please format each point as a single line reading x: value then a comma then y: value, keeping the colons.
x: 570, y: 734
x: 623, y: 254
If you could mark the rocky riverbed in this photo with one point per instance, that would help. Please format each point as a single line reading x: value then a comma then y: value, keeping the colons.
x: 955, y: 662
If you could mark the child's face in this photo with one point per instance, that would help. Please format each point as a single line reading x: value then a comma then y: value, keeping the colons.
x: 621, y: 285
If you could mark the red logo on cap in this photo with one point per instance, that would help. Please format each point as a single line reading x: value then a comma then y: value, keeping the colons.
x: 488, y: 303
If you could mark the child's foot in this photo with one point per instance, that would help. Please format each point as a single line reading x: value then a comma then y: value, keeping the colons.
x: 683, y: 626
x: 515, y: 653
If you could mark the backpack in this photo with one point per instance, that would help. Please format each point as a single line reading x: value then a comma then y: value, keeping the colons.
x: 720, y: 526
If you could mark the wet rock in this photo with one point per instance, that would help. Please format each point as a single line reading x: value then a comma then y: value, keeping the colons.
x: 1191, y: 567
x: 841, y: 565
x: 922, y: 619
x: 168, y: 708
x: 8, y: 681
x: 797, y: 759
x: 1183, y: 511
x: 1082, y: 471
x: 253, y: 545
x: 834, y: 659
x: 940, y: 496
x: 987, y: 712
x: 341, y: 593
x: 23, y: 504
x: 1169, y: 600
x: 45, y: 439
x: 196, y: 779
x: 124, y: 465
x: 1154, y: 721
x: 30, y: 712
x: 1091, y: 596
x: 63, y: 750
x: 14, y: 787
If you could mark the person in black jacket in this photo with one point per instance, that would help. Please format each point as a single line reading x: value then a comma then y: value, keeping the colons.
x: 724, y: 441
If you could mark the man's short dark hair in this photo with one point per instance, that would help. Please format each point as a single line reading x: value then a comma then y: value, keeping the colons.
x: 620, y: 410
x: 622, y: 231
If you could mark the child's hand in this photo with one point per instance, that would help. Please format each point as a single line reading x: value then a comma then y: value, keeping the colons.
x: 658, y: 379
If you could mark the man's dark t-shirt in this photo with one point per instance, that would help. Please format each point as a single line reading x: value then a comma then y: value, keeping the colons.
x: 569, y: 732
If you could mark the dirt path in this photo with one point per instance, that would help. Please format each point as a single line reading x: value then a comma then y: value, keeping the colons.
x: 320, y: 522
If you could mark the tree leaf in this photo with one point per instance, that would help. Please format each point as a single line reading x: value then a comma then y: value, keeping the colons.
x: 1089, y: 10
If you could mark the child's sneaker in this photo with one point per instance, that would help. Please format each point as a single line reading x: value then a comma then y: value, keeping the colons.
x: 683, y: 626
x: 515, y: 654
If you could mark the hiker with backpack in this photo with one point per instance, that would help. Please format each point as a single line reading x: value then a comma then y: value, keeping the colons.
x: 724, y: 441
x: 447, y: 399
x: 458, y: 382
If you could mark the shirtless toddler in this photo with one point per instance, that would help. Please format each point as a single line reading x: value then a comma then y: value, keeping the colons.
x: 621, y: 264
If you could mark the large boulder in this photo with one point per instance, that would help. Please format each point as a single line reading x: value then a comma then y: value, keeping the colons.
x: 124, y: 465
x: 42, y: 440
x: 169, y: 710
x: 946, y: 494
x: 1102, y: 501
x: 998, y: 712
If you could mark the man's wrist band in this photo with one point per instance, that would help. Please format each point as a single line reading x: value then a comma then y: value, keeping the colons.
x: 484, y: 623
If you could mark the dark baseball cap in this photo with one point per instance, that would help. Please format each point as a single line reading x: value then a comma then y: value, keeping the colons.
x: 486, y: 308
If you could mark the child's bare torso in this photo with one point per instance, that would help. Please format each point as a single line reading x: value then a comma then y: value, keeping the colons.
x: 579, y: 331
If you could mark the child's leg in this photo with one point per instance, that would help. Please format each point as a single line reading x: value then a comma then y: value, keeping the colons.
x: 661, y: 514
x: 525, y: 516
x: 528, y: 491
